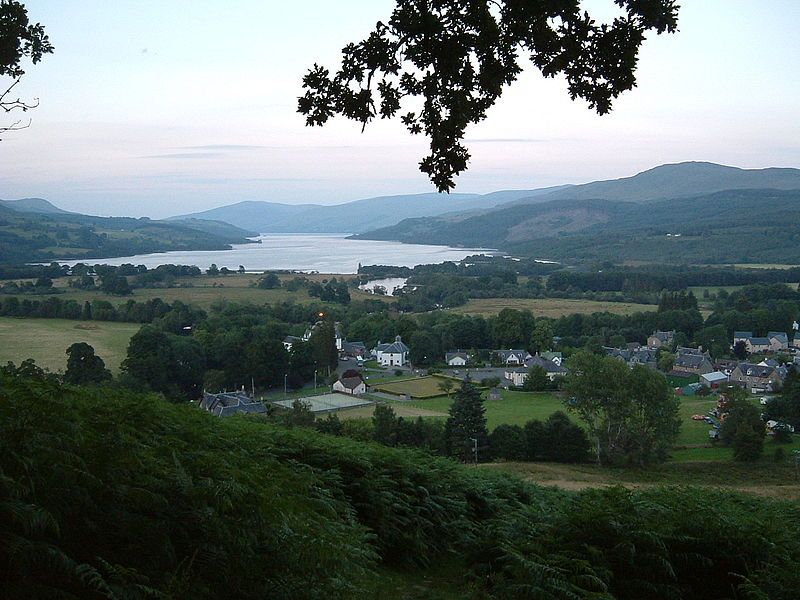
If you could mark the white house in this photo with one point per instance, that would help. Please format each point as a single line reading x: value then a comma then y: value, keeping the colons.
x: 513, y: 357
x: 456, y: 359
x: 392, y: 355
x: 516, y: 376
x: 350, y: 383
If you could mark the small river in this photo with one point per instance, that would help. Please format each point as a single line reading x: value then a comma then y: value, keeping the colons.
x: 324, y: 253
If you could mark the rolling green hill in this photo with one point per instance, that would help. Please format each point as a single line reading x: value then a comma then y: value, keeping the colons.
x: 44, y: 236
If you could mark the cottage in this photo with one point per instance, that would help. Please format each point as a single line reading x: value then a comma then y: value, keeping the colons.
x: 756, y: 377
x: 692, y: 364
x: 351, y: 383
x: 516, y: 376
x: 392, y: 355
x: 552, y: 369
x: 512, y: 357
x: 661, y: 339
x: 641, y: 356
x: 457, y: 358
x: 778, y: 341
x: 354, y: 349
x: 231, y: 403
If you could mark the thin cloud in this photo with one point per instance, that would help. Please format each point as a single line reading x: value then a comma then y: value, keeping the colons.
x: 191, y: 155
x: 507, y: 141
x: 222, y: 147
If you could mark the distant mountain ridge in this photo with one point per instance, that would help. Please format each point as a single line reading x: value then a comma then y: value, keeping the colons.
x: 357, y: 216
x: 754, y: 218
x: 33, y: 205
x: 679, y: 180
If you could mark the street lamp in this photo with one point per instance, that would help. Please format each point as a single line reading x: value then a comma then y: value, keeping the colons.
x: 285, y: 385
x: 475, y: 449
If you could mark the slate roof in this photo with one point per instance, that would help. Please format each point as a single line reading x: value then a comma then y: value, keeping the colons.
x: 450, y: 355
x: 759, y: 341
x: 690, y: 361
x: 751, y: 370
x: 396, y: 347
x: 548, y: 365
x: 506, y: 354
x: 742, y: 334
x: 779, y: 335
x: 351, y: 383
x: 230, y: 403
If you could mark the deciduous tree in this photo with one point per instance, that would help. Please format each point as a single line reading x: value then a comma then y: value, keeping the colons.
x: 452, y: 59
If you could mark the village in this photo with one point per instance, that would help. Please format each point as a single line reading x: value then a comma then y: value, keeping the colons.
x: 385, y: 373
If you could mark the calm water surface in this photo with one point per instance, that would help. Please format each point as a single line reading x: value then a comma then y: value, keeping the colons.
x: 325, y: 253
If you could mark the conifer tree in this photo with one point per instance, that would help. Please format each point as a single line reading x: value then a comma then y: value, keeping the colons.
x: 467, y: 422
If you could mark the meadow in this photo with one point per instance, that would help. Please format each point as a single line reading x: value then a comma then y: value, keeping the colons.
x: 46, y: 340
x: 550, y: 307
x: 417, y: 387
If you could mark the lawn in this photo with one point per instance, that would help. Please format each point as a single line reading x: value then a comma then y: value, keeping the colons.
x: 550, y: 307
x: 46, y: 340
x: 515, y: 408
x: 417, y: 387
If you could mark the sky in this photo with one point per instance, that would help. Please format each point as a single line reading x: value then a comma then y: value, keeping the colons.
x: 153, y: 108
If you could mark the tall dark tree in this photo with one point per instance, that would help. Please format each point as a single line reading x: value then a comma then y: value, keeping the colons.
x: 467, y: 423
x: 151, y: 360
x: 84, y: 366
x: 323, y: 346
x: 453, y: 58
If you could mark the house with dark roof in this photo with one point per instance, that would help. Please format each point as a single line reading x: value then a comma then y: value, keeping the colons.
x: 778, y: 340
x: 660, y: 339
x: 350, y: 382
x: 640, y: 356
x: 692, y: 364
x: 758, y: 377
x: 392, y: 355
x: 354, y: 349
x: 512, y: 357
x: 231, y: 403
x: 551, y: 368
x: 516, y: 375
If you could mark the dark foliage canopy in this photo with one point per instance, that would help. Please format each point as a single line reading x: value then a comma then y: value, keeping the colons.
x: 454, y: 57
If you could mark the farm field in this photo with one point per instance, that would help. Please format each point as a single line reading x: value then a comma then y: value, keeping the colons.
x: 417, y: 387
x: 46, y: 340
x: 205, y: 291
x: 550, y: 307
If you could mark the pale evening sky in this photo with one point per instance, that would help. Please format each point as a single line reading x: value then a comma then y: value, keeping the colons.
x: 159, y: 108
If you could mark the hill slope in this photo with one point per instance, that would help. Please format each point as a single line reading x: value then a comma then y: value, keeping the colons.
x: 33, y: 205
x: 354, y: 217
x: 679, y: 180
x: 36, y: 236
x: 724, y: 227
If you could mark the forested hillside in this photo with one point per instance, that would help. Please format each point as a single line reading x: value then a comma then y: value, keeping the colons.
x: 109, y: 494
x: 736, y: 226
x: 44, y: 236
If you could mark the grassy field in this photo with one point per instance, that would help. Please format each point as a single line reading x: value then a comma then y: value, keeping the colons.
x: 46, y: 340
x: 550, y: 307
x: 204, y: 291
x: 515, y: 408
x: 418, y: 387
x: 763, y: 478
